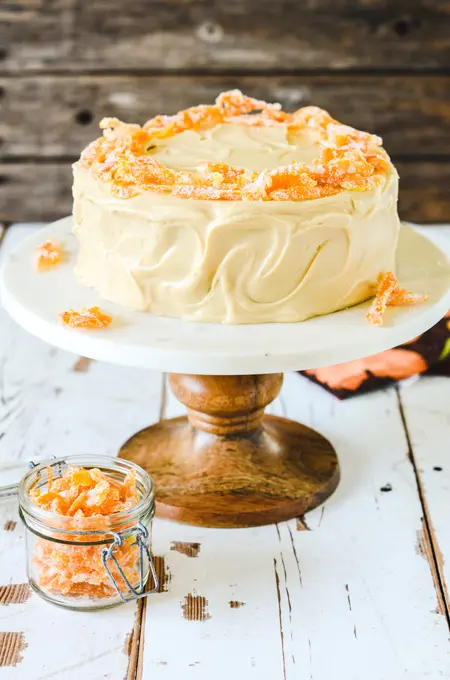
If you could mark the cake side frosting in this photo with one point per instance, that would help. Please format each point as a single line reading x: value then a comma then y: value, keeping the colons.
x: 234, y: 262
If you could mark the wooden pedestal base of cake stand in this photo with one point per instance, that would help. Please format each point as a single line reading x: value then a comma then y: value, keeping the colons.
x: 227, y: 464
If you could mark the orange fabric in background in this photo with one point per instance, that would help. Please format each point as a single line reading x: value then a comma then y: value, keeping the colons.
x: 431, y: 350
x: 395, y: 363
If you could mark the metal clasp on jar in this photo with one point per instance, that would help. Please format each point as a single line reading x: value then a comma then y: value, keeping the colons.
x: 108, y: 555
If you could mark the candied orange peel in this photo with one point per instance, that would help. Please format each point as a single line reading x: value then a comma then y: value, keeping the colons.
x: 390, y: 294
x: 77, y: 570
x: 83, y: 493
x: 349, y: 159
x: 48, y: 255
x: 88, y: 319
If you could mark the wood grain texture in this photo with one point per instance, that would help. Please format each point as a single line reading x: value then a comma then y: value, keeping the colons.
x: 428, y: 453
x: 364, y: 539
x: 226, y: 405
x: 35, y: 191
x: 82, y: 365
x: 47, y: 116
x: 43, y: 191
x: 10, y: 525
x: 11, y: 648
x: 14, y: 593
x: 39, y: 418
x: 162, y: 573
x: 361, y: 545
x: 67, y: 35
x: 195, y: 608
x: 351, y: 587
x: 424, y: 190
x: 64, y: 64
x: 426, y: 549
x: 135, y: 641
x: 186, y: 548
x: 227, y: 465
x: 235, y: 604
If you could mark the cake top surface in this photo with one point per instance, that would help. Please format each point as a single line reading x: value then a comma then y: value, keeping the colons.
x: 239, y: 148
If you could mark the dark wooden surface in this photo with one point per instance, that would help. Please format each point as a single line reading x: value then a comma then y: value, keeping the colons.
x: 380, y: 65
x: 410, y: 113
x: 228, y: 465
x: 236, y: 35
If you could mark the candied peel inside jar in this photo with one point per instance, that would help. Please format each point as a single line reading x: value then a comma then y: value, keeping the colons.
x: 88, y: 530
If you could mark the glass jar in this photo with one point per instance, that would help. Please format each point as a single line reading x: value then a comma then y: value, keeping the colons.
x: 88, y: 563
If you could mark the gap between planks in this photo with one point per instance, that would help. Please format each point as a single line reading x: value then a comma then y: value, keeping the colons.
x: 227, y: 73
x: 135, y: 644
x: 428, y: 543
x: 68, y: 159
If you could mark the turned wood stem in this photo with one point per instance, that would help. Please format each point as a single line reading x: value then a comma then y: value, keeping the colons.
x: 227, y: 466
x: 226, y: 404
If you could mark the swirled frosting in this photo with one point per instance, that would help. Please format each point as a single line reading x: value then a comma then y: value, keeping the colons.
x: 234, y: 261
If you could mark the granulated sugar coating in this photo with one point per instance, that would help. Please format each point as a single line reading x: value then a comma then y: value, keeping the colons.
x: 77, y: 570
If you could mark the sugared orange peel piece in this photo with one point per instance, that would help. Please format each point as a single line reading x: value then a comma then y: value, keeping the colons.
x: 349, y: 159
x: 77, y: 570
x: 401, y: 296
x: 85, y: 493
x: 48, y: 255
x: 88, y: 319
x: 389, y: 294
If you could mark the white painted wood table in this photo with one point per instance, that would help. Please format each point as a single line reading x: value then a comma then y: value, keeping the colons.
x: 356, y: 590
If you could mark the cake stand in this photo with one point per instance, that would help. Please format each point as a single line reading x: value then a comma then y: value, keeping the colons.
x: 226, y: 464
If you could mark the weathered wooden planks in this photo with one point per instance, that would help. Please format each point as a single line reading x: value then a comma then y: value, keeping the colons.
x: 425, y: 406
x: 47, y: 121
x: 47, y: 408
x: 47, y: 116
x: 67, y: 63
x: 66, y: 35
x: 353, y: 596
x: 339, y: 587
x: 34, y: 190
x: 42, y: 191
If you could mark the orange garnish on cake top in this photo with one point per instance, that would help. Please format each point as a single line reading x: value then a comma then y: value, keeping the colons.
x: 89, y: 497
x: 389, y: 294
x: 48, y: 255
x: 348, y: 160
x: 92, y: 318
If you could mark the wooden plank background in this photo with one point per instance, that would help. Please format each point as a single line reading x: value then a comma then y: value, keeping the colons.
x: 64, y: 64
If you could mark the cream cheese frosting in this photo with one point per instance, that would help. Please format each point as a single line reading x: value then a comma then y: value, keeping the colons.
x: 252, y: 148
x: 235, y: 261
